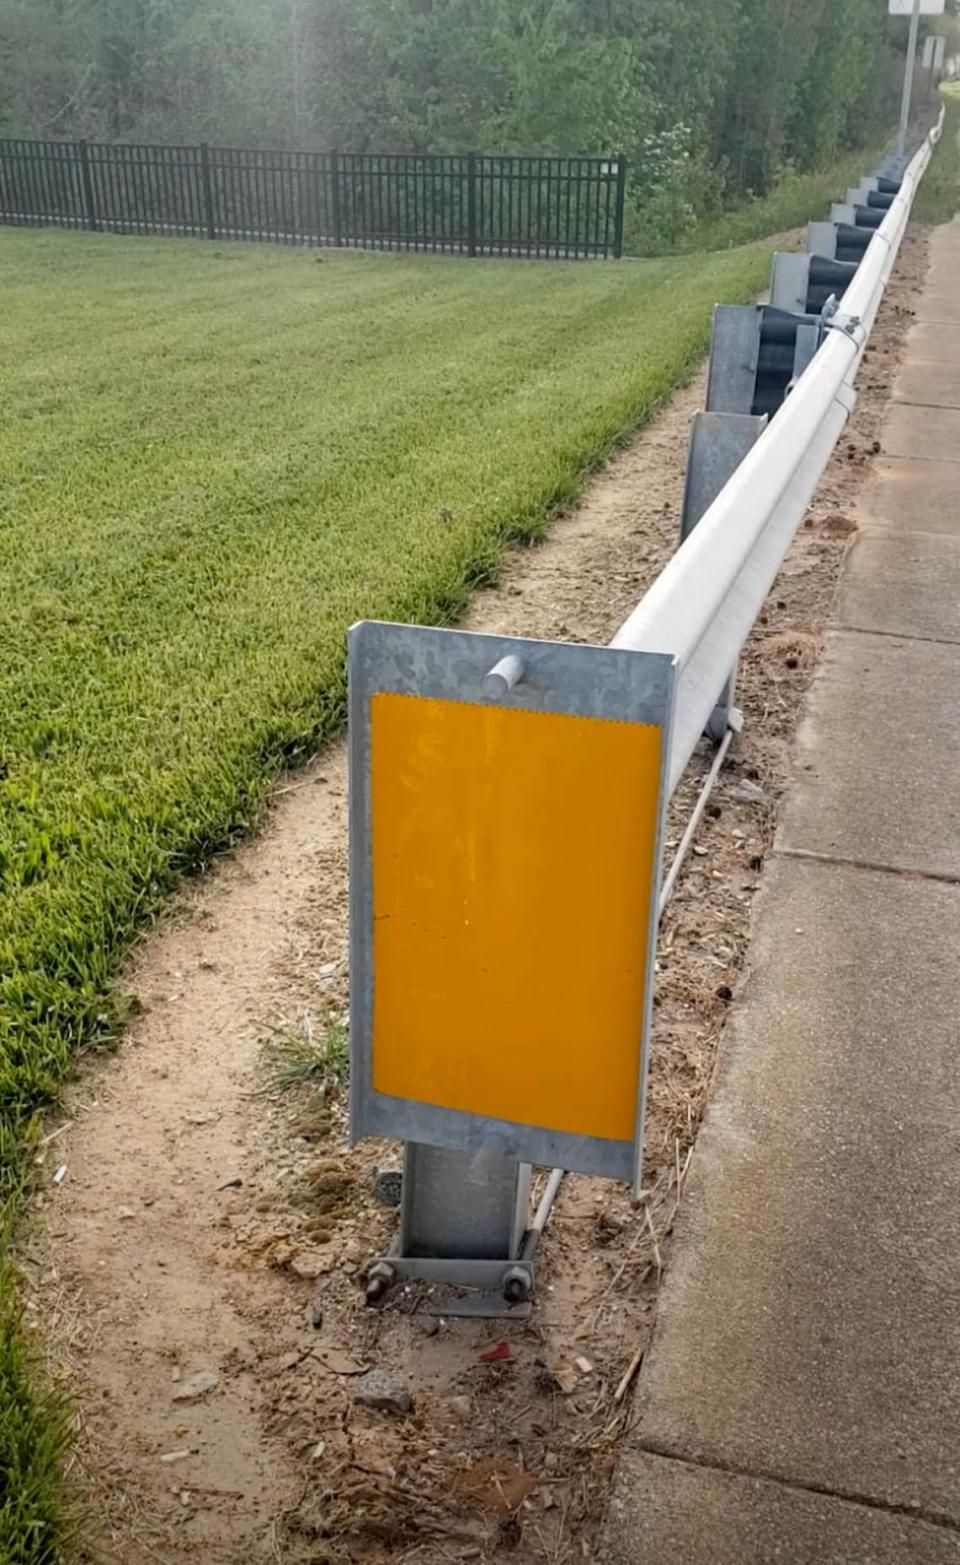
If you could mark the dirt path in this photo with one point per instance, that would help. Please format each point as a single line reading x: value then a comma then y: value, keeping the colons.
x: 203, y: 1227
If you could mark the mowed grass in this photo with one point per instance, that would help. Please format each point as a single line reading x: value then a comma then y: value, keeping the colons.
x: 938, y: 198
x: 213, y: 460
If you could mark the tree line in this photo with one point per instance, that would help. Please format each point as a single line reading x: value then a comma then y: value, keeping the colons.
x: 709, y: 99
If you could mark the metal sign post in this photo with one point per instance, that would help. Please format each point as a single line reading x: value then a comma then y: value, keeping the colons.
x: 914, y: 9
x: 506, y: 808
x: 934, y: 49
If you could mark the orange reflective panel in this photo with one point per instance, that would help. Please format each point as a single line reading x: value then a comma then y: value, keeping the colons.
x: 513, y: 857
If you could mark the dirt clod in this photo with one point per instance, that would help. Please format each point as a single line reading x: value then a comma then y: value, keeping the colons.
x: 197, y: 1386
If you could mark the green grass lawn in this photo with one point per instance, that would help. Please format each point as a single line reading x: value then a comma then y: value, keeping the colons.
x: 213, y: 460
x: 938, y: 198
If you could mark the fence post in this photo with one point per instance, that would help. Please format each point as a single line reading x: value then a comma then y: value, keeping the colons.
x: 621, y: 204
x: 207, y: 191
x: 87, y: 185
x: 335, y: 197
x: 471, y: 203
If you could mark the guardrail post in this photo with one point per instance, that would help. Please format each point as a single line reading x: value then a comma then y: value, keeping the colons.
x: 86, y: 183
x: 620, y: 208
x: 718, y: 444
x: 207, y: 189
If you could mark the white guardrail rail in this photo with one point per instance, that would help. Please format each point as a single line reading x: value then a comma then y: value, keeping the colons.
x: 705, y: 601
x: 508, y: 799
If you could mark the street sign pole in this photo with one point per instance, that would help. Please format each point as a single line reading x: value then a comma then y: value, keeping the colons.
x: 908, y: 79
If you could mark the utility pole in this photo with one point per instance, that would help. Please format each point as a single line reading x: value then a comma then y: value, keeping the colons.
x: 908, y: 79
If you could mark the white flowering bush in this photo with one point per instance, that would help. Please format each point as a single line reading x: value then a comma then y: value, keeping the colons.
x: 672, y: 188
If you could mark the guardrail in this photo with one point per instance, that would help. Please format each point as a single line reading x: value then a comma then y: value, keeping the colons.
x: 702, y: 606
x: 502, y: 925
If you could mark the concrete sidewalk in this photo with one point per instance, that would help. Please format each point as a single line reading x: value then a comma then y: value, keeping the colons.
x: 801, y: 1401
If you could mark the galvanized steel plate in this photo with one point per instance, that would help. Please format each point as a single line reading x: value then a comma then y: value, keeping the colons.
x: 504, y: 868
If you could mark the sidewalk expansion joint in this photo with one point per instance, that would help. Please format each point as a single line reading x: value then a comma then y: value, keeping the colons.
x: 946, y: 878
x: 897, y: 635
x: 916, y: 456
x: 914, y: 1512
x: 937, y: 407
x: 874, y: 527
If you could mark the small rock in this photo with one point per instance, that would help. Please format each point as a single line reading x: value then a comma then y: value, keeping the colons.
x: 378, y: 1388
x: 584, y: 1366
x: 388, y: 1186
x: 197, y: 1386
x: 461, y: 1407
x: 748, y: 791
x: 174, y: 1456
x: 231, y: 1184
x: 311, y: 1264
x: 318, y: 1450
x: 126, y: 1213
x: 315, y: 1314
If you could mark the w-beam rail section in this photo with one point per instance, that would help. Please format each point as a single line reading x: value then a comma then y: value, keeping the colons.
x: 465, y: 1203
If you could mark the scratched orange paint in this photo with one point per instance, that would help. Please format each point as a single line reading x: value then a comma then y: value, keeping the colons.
x: 513, y: 859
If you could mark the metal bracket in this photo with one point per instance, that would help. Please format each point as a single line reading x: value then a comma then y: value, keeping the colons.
x: 822, y: 239
x: 790, y: 280
x: 719, y: 442
x: 463, y: 1225
x: 835, y: 319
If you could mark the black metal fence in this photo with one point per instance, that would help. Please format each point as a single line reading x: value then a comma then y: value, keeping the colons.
x: 565, y: 208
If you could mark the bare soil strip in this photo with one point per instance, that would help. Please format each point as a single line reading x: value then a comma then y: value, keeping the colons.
x: 189, y: 1223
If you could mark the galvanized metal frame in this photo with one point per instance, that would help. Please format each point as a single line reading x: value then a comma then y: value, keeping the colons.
x: 790, y: 280
x: 822, y: 239
x: 582, y: 681
x: 719, y: 442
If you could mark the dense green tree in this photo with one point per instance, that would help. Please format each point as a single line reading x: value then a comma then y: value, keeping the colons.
x: 707, y: 99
